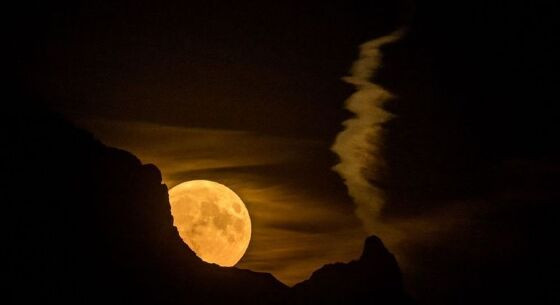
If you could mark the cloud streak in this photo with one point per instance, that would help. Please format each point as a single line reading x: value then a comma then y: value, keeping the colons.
x: 358, y: 145
x: 177, y: 150
x: 301, y: 215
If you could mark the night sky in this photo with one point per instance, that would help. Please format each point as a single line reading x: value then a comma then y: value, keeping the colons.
x: 252, y: 95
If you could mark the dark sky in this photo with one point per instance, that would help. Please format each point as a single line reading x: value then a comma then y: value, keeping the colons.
x: 191, y: 64
x: 469, y: 158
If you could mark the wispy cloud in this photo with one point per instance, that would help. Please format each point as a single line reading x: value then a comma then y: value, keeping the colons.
x: 177, y: 150
x: 359, y: 143
x: 301, y: 216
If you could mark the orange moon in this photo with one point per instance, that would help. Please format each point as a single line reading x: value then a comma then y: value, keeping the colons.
x: 212, y: 220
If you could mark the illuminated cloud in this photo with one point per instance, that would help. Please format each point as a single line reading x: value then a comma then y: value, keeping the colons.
x: 177, y: 150
x: 358, y: 144
x: 300, y: 231
x: 301, y: 216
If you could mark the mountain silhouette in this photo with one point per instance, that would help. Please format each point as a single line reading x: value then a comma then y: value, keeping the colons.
x: 89, y: 223
x: 374, y: 278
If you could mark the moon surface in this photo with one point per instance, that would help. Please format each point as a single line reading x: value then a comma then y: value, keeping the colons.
x: 212, y: 220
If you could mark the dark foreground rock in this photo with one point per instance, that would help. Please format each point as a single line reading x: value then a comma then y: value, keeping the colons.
x: 373, y: 279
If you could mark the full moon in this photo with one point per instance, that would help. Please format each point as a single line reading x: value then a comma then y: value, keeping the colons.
x: 212, y: 220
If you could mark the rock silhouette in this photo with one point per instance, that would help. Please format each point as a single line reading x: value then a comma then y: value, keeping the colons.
x: 91, y: 224
x: 374, y: 278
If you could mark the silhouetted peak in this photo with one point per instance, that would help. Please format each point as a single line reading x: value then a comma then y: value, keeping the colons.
x: 152, y: 173
x: 373, y: 248
x: 374, y: 278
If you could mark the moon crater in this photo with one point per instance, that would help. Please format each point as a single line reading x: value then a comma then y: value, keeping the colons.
x: 212, y: 220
